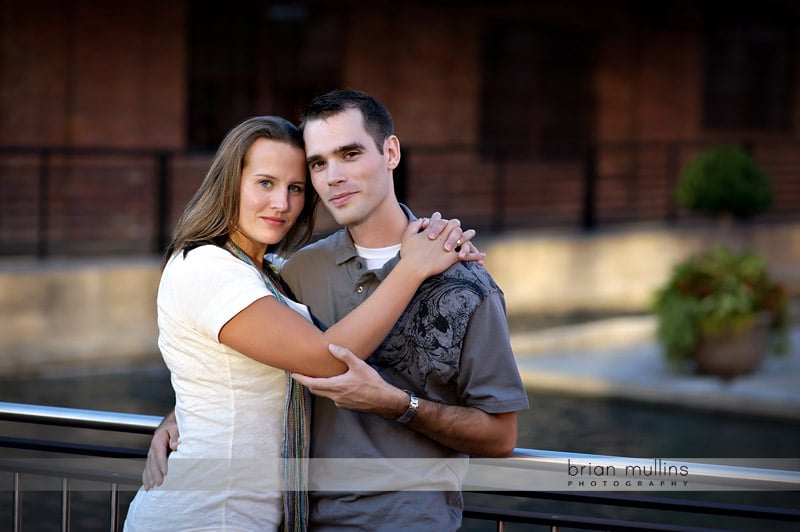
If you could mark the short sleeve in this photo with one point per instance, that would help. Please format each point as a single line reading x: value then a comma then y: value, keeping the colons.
x: 208, y: 287
x: 489, y: 377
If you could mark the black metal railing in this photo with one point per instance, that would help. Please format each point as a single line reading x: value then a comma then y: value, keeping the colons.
x: 523, y: 478
x: 79, y: 201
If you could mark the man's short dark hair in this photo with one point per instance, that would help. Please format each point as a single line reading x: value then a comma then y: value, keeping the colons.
x: 377, y: 120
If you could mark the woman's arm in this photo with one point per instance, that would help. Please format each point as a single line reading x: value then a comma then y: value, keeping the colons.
x: 270, y: 332
x: 462, y: 428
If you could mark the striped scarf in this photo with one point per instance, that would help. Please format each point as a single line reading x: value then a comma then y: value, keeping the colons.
x: 297, y: 412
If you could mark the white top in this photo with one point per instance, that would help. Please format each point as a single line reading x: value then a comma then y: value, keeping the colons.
x: 377, y: 257
x: 225, y: 474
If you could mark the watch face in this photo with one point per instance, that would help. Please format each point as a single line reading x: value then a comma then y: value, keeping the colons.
x: 413, y: 401
x: 411, y: 411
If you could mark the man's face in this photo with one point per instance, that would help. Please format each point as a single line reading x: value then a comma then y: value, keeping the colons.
x: 353, y: 179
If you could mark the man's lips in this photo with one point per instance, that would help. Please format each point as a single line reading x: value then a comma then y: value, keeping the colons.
x: 341, y: 198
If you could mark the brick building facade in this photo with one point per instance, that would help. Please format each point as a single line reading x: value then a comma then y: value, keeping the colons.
x: 510, y: 113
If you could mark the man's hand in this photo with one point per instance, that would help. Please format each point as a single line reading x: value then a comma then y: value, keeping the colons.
x: 165, y: 439
x: 360, y: 388
x: 462, y: 428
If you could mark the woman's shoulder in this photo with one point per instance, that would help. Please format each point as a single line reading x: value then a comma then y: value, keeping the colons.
x: 204, y: 261
x: 199, y: 255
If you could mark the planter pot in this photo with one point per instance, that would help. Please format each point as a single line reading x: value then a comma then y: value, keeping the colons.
x: 732, y: 354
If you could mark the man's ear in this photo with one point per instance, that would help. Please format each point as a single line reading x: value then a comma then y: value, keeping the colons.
x: 391, y: 151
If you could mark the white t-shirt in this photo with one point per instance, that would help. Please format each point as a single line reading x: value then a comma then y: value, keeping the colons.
x: 377, y: 257
x: 225, y: 474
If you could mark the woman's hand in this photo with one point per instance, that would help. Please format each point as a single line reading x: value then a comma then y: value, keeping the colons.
x: 429, y: 255
x: 457, y: 240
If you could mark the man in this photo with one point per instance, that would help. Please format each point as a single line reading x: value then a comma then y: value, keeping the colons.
x: 450, y: 349
x: 444, y: 385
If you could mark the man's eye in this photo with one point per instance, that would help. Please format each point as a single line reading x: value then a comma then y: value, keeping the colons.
x: 316, y: 165
x: 350, y: 154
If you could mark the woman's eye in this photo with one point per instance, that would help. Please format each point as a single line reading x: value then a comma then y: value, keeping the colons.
x: 296, y: 188
x: 265, y: 183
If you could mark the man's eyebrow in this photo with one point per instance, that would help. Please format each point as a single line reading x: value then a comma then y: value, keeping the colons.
x: 341, y: 149
x: 349, y: 147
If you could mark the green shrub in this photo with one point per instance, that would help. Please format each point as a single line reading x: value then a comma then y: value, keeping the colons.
x: 725, y: 179
x: 714, y: 291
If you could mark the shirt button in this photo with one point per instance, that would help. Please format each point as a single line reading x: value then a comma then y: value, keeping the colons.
x: 360, y: 289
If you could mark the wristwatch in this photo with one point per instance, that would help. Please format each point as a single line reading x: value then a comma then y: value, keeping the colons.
x: 411, y: 411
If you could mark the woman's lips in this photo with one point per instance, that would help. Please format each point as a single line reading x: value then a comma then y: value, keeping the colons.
x: 273, y: 221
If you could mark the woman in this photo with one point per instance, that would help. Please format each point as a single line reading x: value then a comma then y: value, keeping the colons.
x: 229, y: 334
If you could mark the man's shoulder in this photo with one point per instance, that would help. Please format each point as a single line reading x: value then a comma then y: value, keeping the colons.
x: 473, y: 274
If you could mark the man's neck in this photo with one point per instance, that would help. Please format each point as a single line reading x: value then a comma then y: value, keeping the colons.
x: 383, y: 228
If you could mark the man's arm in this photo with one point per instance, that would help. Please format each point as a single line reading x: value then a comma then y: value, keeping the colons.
x: 165, y: 439
x: 465, y: 429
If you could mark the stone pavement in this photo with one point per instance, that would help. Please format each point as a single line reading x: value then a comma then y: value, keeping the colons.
x: 619, y: 358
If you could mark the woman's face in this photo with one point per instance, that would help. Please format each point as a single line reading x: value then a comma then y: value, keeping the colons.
x: 272, y: 194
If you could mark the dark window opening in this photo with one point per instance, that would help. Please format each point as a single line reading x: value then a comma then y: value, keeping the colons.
x: 748, y: 81
x: 255, y: 58
x: 536, y: 100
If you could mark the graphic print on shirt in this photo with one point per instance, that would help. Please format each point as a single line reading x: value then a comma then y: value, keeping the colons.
x: 428, y: 338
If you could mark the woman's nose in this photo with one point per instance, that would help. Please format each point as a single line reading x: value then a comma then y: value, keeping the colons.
x: 280, y: 200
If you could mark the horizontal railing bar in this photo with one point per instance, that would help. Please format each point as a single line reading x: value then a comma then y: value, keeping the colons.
x: 571, y: 521
x: 728, y: 476
x: 74, y: 417
x: 723, y: 475
x: 70, y: 448
x: 660, y: 503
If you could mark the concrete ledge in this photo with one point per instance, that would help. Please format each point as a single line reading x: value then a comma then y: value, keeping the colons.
x: 619, y: 270
x: 68, y: 313
x: 612, y: 332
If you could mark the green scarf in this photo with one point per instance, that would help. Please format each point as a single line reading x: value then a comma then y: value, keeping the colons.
x: 297, y: 412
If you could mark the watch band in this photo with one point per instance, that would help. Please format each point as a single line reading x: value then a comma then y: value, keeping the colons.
x: 411, y: 411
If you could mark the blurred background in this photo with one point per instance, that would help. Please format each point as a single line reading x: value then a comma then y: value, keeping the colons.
x: 560, y: 130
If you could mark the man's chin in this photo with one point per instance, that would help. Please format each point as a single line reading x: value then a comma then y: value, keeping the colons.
x: 343, y: 215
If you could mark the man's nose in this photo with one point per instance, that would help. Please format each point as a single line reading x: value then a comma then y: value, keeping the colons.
x: 335, y: 174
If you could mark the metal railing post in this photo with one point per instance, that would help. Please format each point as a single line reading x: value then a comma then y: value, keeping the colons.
x: 114, y: 506
x: 65, y: 507
x: 17, y: 511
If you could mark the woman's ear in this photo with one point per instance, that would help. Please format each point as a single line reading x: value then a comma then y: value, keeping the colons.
x: 391, y: 151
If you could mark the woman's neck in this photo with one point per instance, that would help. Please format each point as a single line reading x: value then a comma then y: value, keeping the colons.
x: 253, y: 250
